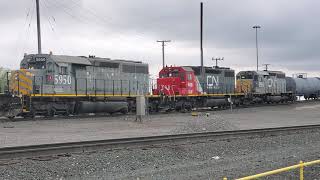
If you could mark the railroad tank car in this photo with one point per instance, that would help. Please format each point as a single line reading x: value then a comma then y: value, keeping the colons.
x: 263, y: 86
x: 301, y: 85
x: 50, y: 84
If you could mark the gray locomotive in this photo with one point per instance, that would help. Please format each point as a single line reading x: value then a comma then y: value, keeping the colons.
x: 58, y: 84
x: 264, y: 86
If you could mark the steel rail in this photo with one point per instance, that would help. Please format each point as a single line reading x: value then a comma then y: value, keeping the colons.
x: 151, y: 141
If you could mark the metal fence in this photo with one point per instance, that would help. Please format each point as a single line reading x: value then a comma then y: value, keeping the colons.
x: 299, y: 166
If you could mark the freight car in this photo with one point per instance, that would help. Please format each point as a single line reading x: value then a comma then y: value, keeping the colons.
x: 301, y: 85
x: 50, y: 84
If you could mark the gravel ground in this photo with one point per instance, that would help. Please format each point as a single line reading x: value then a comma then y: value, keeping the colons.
x: 198, y: 160
x: 204, y: 122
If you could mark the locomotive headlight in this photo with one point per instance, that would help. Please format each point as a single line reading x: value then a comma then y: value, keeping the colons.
x: 49, y: 77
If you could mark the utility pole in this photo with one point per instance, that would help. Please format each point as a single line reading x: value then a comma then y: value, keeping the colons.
x: 38, y: 27
x: 256, y: 28
x: 163, y: 44
x: 201, y: 45
x: 266, y: 65
x: 217, y: 59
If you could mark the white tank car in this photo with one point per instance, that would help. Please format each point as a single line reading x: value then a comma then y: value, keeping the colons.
x: 304, y: 86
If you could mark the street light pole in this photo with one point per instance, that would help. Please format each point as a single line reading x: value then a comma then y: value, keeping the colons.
x: 256, y: 28
x: 38, y: 27
x: 163, y: 44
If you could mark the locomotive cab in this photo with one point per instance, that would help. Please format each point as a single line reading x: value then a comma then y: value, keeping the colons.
x: 177, y: 81
x: 48, y: 73
x: 245, y: 81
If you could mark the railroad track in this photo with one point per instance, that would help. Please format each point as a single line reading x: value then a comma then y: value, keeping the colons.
x: 145, y: 142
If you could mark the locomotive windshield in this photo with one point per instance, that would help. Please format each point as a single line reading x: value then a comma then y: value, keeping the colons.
x: 37, y: 63
x: 170, y: 74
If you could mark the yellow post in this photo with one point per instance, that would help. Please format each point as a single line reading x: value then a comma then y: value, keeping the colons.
x: 225, y: 178
x: 301, y: 170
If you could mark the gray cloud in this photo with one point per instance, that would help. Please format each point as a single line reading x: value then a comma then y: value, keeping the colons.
x: 289, y: 37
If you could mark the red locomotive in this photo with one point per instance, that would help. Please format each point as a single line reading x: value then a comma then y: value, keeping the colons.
x: 177, y: 81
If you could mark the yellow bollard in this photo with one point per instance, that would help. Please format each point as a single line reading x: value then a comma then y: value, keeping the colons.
x: 225, y: 178
x: 301, y: 170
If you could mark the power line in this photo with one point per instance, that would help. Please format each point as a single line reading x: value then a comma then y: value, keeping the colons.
x: 86, y: 20
x: 43, y: 4
x: 98, y: 19
x: 21, y: 39
x: 68, y: 11
x: 29, y: 28
x: 52, y: 25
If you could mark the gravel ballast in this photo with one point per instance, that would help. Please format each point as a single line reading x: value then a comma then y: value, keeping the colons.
x: 204, y: 122
x: 199, y: 160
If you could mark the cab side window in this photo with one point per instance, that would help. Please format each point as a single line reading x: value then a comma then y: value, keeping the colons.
x: 50, y: 67
x: 189, y: 77
x: 182, y: 76
x: 63, y: 70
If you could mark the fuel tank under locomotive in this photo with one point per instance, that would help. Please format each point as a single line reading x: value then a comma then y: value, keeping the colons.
x: 218, y: 102
x: 102, y: 107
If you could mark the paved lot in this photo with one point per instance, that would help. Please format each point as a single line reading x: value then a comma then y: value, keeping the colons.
x: 53, y: 131
x: 199, y: 159
x: 275, y: 116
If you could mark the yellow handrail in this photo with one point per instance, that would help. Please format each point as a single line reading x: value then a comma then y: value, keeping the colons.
x: 301, y: 166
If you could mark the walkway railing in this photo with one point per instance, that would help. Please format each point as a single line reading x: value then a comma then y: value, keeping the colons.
x: 301, y: 166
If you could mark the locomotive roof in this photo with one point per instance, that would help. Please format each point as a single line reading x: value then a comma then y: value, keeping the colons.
x: 266, y: 73
x: 98, y: 59
x: 210, y: 67
x: 187, y: 68
x: 86, y: 60
x: 70, y: 59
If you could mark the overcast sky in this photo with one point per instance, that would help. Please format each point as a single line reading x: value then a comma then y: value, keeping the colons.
x: 128, y: 29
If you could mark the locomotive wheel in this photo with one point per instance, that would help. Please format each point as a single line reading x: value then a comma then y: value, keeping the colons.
x: 11, y: 117
x: 124, y: 111
x: 51, y: 112
x: 67, y: 113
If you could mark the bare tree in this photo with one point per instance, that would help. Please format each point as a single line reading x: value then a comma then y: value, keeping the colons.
x: 3, y: 79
